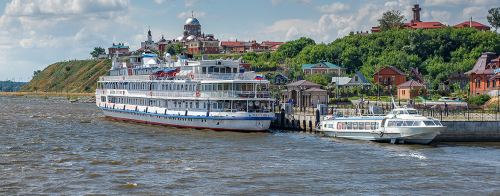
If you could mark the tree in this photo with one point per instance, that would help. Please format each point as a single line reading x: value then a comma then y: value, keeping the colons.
x: 494, y: 17
x: 97, y: 51
x: 169, y: 48
x: 179, y: 48
x: 421, y: 91
x: 318, y: 79
x: 391, y: 20
x: 36, y: 72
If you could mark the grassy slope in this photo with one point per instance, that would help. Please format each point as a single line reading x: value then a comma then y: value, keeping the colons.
x: 81, y: 77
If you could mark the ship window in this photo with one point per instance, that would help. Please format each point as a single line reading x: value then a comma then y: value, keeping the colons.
x: 437, y: 123
x: 417, y: 123
x: 349, y: 125
x: 361, y: 125
x: 399, y: 123
x: 429, y: 123
x: 355, y: 125
x: 391, y: 124
x: 373, y: 127
x: 344, y: 125
x: 412, y: 112
x: 330, y: 126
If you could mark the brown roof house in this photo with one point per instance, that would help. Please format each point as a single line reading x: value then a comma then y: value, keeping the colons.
x: 404, y: 90
x: 304, y: 93
x: 482, y: 72
x: 388, y: 76
x: 458, y: 77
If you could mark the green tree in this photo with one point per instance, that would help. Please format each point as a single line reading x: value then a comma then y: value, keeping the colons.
x: 169, y: 48
x: 97, y: 51
x: 179, y: 48
x: 36, y: 72
x: 494, y: 17
x: 318, y: 79
x: 391, y: 20
x: 421, y: 91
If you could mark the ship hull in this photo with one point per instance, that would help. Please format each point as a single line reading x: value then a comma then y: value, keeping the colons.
x: 196, y: 122
x: 416, y: 135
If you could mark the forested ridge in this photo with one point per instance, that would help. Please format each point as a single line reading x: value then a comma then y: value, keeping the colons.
x: 437, y: 53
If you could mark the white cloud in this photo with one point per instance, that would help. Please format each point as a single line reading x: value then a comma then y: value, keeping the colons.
x: 457, y: 3
x: 333, y: 8
x: 304, y: 2
x: 476, y: 12
x: 275, y: 2
x: 57, y: 7
x: 441, y: 16
x: 186, y: 15
x: 161, y: 1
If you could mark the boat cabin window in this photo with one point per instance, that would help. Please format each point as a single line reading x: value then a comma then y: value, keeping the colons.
x: 361, y: 126
x: 412, y: 112
x: 437, y: 123
x: 429, y: 123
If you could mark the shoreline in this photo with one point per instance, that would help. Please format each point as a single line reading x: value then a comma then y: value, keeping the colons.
x: 50, y: 96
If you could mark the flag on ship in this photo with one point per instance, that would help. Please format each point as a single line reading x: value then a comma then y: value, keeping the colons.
x: 183, y: 58
x: 258, y: 77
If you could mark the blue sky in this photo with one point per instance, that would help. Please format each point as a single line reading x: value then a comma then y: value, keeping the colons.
x: 37, y: 33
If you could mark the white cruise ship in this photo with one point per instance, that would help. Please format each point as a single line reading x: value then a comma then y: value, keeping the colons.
x: 401, y: 125
x: 206, y: 94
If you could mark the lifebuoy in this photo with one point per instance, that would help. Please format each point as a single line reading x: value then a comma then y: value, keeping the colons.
x: 149, y: 77
x: 197, y: 93
x: 102, y: 91
x: 102, y: 78
x: 123, y: 92
x: 339, y: 125
x: 192, y: 76
x: 175, y: 74
x: 151, y: 93
x: 123, y: 77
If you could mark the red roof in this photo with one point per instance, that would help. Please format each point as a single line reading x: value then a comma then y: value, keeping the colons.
x: 424, y: 25
x: 230, y: 43
x: 474, y: 24
x: 272, y: 43
x: 393, y: 68
x: 275, y: 47
x: 304, y: 83
x: 411, y: 83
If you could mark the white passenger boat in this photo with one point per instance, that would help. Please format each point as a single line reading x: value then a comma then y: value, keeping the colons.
x: 206, y: 94
x: 401, y: 125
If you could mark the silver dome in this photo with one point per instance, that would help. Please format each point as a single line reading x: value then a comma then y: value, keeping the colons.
x: 191, y: 37
x: 192, y: 21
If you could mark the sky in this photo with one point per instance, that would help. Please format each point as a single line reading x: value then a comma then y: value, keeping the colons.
x: 37, y: 33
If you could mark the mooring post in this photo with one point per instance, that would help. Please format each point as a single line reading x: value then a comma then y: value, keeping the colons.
x: 310, y: 126
x: 282, y: 119
x: 317, y: 116
x: 298, y: 125
x: 304, y: 124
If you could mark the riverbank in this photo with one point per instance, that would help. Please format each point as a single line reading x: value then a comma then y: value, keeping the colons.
x: 51, y: 96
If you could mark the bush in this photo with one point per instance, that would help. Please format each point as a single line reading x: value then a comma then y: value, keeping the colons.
x: 479, y: 100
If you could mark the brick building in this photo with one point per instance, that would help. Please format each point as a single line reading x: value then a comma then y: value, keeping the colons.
x: 405, y: 90
x: 228, y: 45
x: 250, y: 47
x: 119, y: 49
x: 323, y: 67
x: 203, y: 45
x: 483, y: 74
x: 388, y: 76
x: 473, y: 24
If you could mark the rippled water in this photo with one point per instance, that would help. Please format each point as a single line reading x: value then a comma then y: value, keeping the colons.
x: 61, y: 148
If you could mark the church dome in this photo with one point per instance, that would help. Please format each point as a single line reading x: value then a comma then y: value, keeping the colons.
x: 191, y: 37
x: 192, y: 21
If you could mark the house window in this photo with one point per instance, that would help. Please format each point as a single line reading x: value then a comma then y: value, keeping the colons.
x: 315, y: 72
x: 393, y: 79
x: 404, y: 92
x: 488, y: 84
x: 322, y: 72
x: 494, y: 83
x: 356, y: 78
x: 479, y: 83
x: 385, y: 80
x: 380, y: 79
x: 307, y: 72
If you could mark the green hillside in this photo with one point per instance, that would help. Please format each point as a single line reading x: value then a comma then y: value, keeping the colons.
x: 77, y: 76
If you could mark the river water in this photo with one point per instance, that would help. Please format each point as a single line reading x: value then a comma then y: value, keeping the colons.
x: 63, y: 148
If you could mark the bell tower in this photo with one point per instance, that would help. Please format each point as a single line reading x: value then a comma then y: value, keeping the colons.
x: 416, y: 13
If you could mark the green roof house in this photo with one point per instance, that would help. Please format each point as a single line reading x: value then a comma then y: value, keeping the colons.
x: 322, y: 67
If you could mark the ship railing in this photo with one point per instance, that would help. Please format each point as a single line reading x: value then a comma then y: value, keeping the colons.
x: 122, y: 78
x: 350, y: 112
x: 225, y: 76
x: 193, y: 94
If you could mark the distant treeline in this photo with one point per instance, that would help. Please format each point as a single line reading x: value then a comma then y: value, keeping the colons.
x: 11, y: 86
